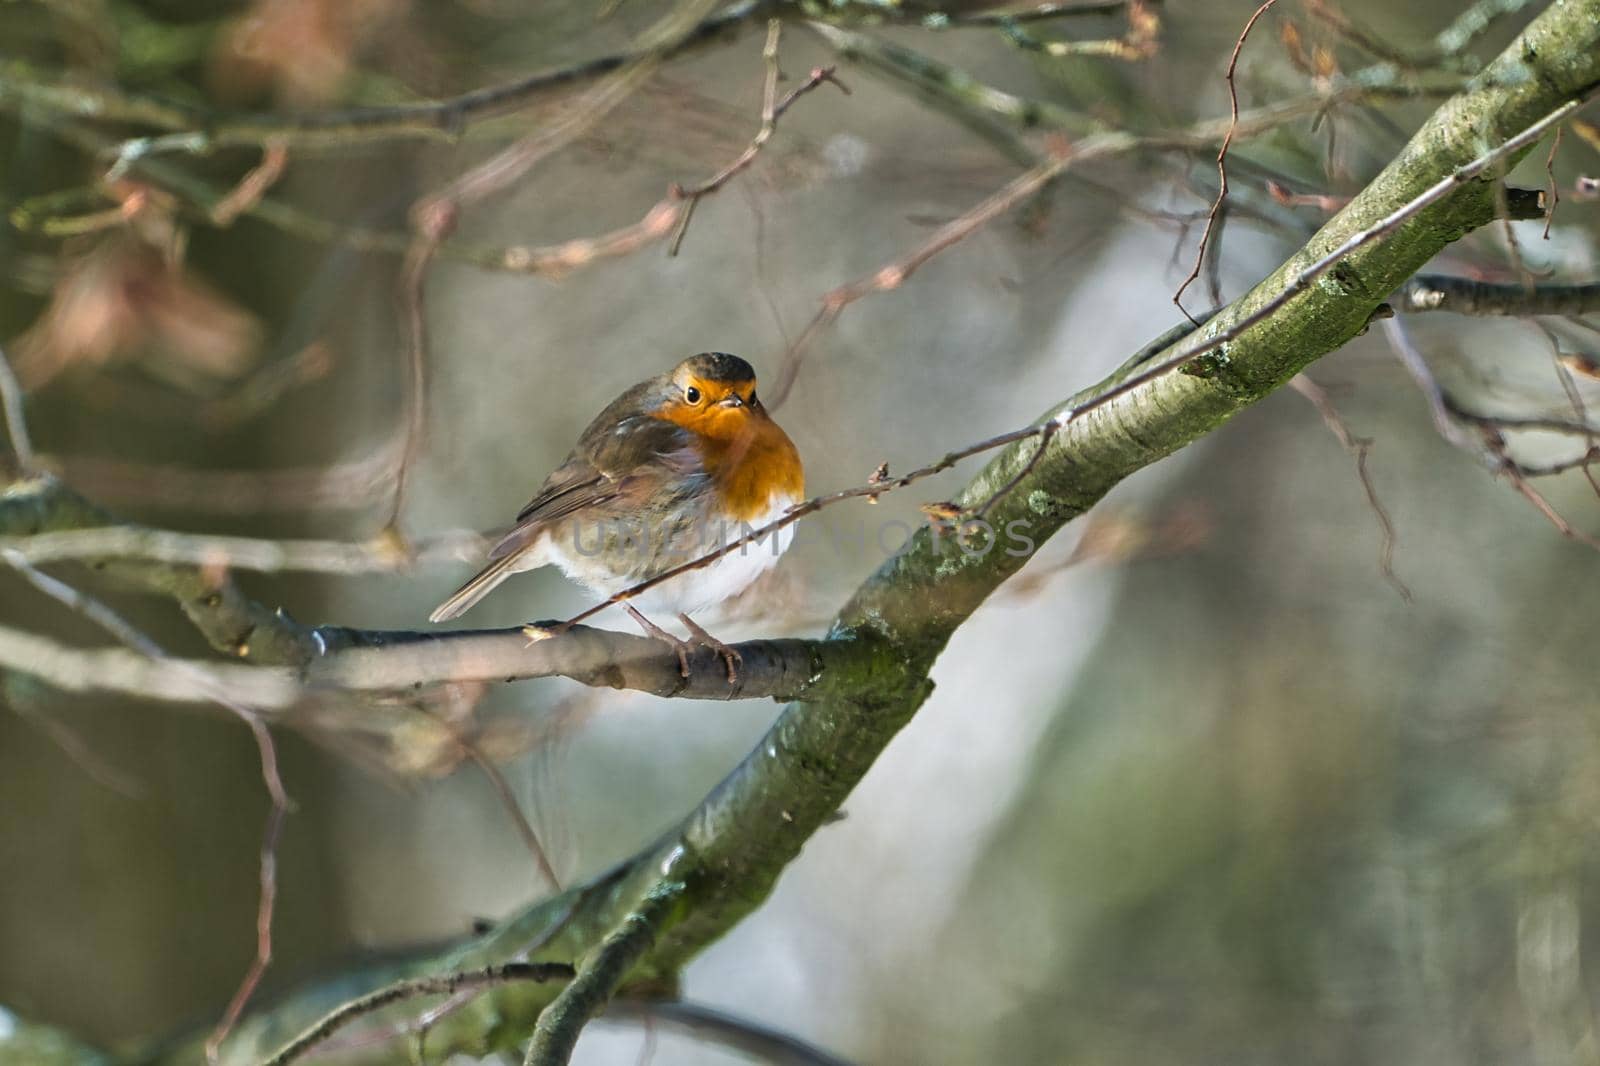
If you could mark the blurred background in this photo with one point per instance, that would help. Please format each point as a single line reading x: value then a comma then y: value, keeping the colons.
x: 1202, y: 784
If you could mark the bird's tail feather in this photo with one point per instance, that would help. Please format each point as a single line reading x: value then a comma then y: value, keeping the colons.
x: 482, y: 583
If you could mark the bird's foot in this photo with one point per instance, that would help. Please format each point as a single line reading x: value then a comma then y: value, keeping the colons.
x: 729, y: 655
x: 678, y: 644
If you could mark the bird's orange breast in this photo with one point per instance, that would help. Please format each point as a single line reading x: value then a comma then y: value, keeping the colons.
x: 756, y: 467
x: 750, y: 459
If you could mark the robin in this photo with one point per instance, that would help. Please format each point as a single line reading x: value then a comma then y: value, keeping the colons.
x: 674, y: 468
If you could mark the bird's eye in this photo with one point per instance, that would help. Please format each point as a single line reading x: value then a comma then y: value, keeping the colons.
x: 691, y: 394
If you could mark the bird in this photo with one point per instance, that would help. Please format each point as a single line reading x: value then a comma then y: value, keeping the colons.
x: 675, y: 467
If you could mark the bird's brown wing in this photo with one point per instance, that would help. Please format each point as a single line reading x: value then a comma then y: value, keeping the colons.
x: 611, y: 459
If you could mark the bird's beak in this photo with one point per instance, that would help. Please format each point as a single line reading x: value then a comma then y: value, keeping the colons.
x: 733, y: 399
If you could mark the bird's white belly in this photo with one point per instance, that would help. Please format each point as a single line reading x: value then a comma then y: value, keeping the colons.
x: 705, y: 586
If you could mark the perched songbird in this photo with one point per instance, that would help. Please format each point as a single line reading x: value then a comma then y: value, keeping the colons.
x: 674, y: 468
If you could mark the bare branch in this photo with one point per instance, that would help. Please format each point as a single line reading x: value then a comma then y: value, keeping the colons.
x: 345, y: 558
x: 334, y: 486
x: 1490, y: 446
x: 508, y: 800
x: 1464, y: 296
x: 1416, y: 365
x: 1188, y: 353
x: 400, y: 991
x: 935, y: 16
x: 371, y: 661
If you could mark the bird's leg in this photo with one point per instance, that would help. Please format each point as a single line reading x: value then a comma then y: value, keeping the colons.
x: 651, y: 629
x: 729, y: 655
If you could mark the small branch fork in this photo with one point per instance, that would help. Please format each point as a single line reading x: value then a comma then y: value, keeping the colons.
x: 772, y: 109
x: 1488, y: 441
x: 599, y: 976
x: 400, y: 991
x: 893, y: 275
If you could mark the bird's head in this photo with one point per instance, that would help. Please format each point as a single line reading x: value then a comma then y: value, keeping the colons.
x: 712, y: 394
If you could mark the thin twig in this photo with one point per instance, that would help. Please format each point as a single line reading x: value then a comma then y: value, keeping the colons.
x: 410, y: 292
x: 1359, y: 447
x: 1138, y: 43
x: 1448, y: 419
x: 1550, y: 177
x: 253, y: 186
x: 16, y: 421
x: 1514, y: 473
x: 508, y: 799
x: 78, y: 750
x: 1222, y: 157
x: 771, y: 110
x: 1325, y: 12
x: 1048, y: 432
x: 1035, y: 13
x: 891, y: 276
x: 442, y: 985
x: 1410, y: 356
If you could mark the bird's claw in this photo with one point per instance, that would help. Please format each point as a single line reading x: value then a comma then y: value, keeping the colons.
x: 730, y: 656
